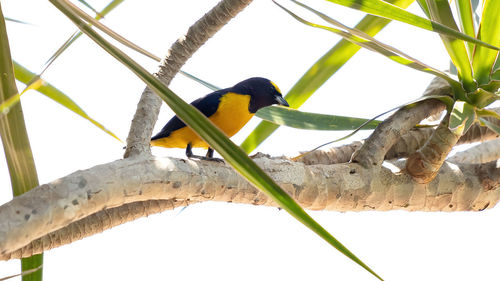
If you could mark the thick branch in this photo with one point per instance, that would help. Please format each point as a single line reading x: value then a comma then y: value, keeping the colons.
x: 149, y: 104
x: 406, y: 145
x: 93, y: 224
x: 375, y: 148
x: 482, y: 153
x: 424, y: 164
x: 343, y: 187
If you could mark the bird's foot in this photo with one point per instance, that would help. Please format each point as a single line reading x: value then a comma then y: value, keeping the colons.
x: 206, y: 158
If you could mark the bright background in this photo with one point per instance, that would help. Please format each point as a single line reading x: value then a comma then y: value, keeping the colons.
x: 221, y: 241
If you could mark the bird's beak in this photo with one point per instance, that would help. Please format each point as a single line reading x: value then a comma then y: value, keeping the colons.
x: 281, y: 101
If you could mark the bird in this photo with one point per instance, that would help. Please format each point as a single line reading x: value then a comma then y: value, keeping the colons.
x: 229, y: 109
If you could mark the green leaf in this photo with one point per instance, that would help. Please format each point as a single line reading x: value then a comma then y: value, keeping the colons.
x: 464, y: 8
x: 424, y: 7
x: 482, y: 98
x: 23, y: 273
x: 387, y: 10
x: 36, y: 83
x: 487, y: 113
x: 202, y: 82
x: 492, y: 126
x: 447, y: 100
x: 113, y: 4
x: 489, y: 31
x: 312, y: 121
x: 89, y: 6
x: 462, y: 117
x: 319, y: 73
x: 17, y: 21
x: 362, y: 39
x: 16, y: 143
x: 95, y: 22
x: 213, y: 136
x: 440, y: 11
x: 493, y: 85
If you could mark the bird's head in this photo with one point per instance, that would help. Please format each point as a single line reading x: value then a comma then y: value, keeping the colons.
x: 263, y: 92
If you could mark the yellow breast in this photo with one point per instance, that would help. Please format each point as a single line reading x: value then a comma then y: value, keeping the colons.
x: 231, y: 115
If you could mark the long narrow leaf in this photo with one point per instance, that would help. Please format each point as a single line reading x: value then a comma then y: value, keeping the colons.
x: 35, y: 82
x: 22, y: 273
x: 492, y: 126
x: 113, y: 4
x: 16, y: 143
x: 372, y: 44
x: 27, y: 77
x: 86, y: 4
x: 462, y: 116
x: 440, y: 11
x: 111, y: 33
x: 447, y: 100
x: 494, y: 84
x: 482, y: 98
x: 17, y: 21
x: 319, y: 73
x: 312, y: 121
x: 464, y: 8
x: 489, y: 31
x: 387, y: 10
x: 214, y: 137
x: 424, y: 7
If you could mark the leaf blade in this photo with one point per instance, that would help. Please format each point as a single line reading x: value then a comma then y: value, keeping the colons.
x: 462, y: 116
x: 16, y: 144
x: 440, y: 11
x: 285, y: 116
x: 489, y: 31
x: 214, y: 137
x: 464, y: 8
x: 387, y: 10
x: 319, y: 73
x: 359, y: 38
x: 45, y: 88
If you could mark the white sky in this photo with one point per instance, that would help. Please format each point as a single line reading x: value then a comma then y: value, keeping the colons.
x: 219, y: 240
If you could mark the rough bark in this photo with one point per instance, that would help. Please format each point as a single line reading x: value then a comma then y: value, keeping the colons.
x: 342, y: 187
x: 93, y: 224
x: 482, y: 153
x: 149, y: 105
x: 373, y: 151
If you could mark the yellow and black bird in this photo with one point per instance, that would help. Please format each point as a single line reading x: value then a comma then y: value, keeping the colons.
x: 229, y: 109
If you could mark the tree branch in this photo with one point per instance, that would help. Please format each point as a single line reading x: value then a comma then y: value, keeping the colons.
x: 149, y: 104
x: 386, y: 134
x: 343, y: 187
x: 482, y: 153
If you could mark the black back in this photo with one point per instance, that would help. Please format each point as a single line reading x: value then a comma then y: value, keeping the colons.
x: 207, y: 105
x: 261, y: 91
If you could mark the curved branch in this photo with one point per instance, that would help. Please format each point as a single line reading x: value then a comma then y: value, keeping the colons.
x: 482, y: 153
x: 149, y: 104
x: 343, y: 187
x: 375, y: 148
x: 93, y: 224
x: 406, y: 145
x: 424, y: 164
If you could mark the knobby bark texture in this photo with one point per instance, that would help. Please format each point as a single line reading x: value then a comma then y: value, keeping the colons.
x: 341, y: 187
x: 93, y: 224
x: 482, y: 153
x: 410, y: 143
x: 149, y: 104
x: 373, y: 151
x: 425, y: 163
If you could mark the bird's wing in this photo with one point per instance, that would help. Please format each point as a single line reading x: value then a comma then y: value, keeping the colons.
x: 207, y: 105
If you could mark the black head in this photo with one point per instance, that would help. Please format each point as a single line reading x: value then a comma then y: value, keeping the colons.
x: 262, y: 93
